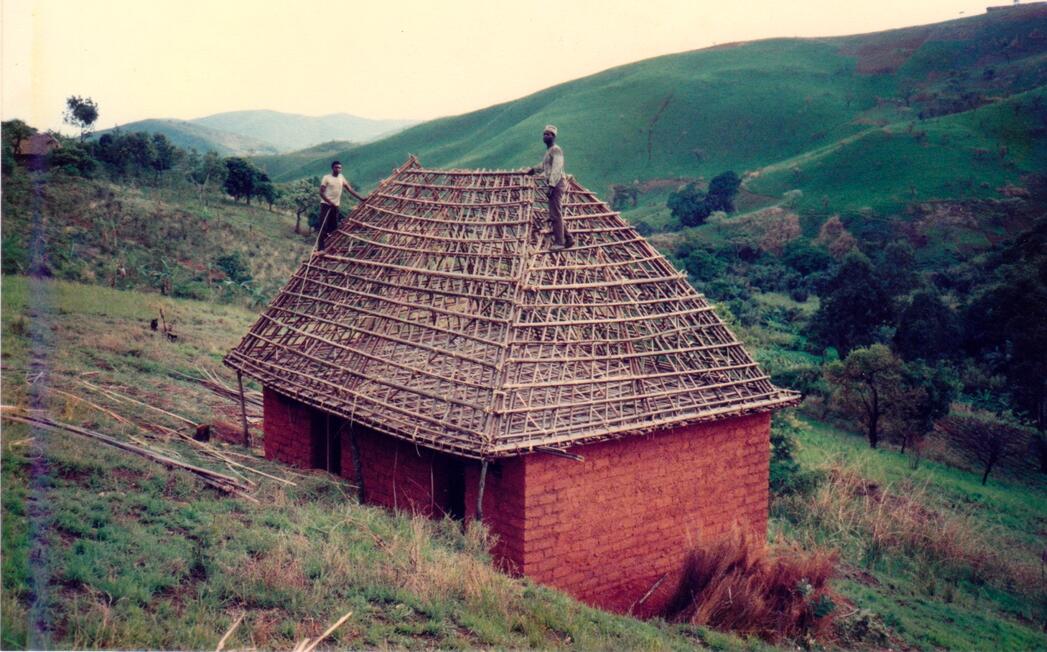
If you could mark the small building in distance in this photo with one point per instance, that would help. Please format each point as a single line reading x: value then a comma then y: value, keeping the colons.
x: 437, y: 352
x: 37, y: 146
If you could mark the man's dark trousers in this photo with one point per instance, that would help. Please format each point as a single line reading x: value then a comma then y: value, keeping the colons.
x: 560, y: 234
x: 329, y: 217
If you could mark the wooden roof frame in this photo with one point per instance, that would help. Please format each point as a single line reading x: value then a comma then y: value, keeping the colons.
x: 438, y: 314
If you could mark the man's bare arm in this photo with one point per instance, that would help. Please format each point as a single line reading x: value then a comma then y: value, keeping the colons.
x: 352, y: 192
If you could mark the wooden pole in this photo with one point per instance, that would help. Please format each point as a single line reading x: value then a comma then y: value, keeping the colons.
x: 480, y: 492
x: 243, y: 409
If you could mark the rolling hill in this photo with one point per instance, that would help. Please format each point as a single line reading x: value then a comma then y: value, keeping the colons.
x: 278, y: 165
x: 947, y: 98
x: 202, y: 138
x: 291, y: 131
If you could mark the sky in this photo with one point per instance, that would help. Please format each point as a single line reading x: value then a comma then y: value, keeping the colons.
x: 415, y: 59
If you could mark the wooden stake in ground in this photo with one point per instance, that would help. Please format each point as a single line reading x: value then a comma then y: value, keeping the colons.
x: 229, y: 632
x: 305, y: 645
x: 243, y: 410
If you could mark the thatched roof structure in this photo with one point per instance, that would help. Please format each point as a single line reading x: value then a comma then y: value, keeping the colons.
x: 437, y: 314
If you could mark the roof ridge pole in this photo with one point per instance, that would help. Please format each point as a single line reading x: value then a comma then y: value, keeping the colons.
x: 494, y: 416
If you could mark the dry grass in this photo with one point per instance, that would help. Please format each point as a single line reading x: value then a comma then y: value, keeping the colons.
x: 739, y: 586
x: 904, y: 519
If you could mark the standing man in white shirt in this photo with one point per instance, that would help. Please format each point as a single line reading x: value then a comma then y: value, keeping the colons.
x: 552, y: 172
x: 330, y: 199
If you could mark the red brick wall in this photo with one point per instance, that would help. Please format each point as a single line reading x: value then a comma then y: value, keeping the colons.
x: 396, y: 473
x: 606, y: 529
x: 287, y: 425
x: 505, y: 491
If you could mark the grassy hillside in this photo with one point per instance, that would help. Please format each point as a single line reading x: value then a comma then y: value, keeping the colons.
x: 202, y: 138
x: 291, y: 131
x: 753, y: 105
x: 278, y: 165
x: 102, y: 549
x: 972, y: 155
x: 169, y: 240
x: 105, y: 550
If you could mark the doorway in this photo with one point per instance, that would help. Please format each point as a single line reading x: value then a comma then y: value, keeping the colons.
x: 327, y: 442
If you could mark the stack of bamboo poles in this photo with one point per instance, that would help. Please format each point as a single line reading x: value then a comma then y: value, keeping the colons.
x: 437, y: 313
x: 129, y: 412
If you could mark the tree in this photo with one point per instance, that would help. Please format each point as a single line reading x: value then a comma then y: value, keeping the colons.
x: 927, y: 328
x: 241, y: 178
x: 688, y: 205
x: 868, y: 386
x: 987, y: 438
x: 165, y: 155
x: 208, y: 169
x: 138, y: 152
x: 80, y: 112
x: 722, y: 189
x: 805, y: 258
x: 854, y: 306
x: 302, y: 197
x: 928, y: 394
x: 896, y: 268
x: 14, y: 132
x: 265, y: 190
x: 1006, y: 323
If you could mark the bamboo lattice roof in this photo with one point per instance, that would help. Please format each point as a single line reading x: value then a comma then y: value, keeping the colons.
x: 436, y: 313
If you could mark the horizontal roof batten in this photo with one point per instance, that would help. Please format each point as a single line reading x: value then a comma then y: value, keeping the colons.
x: 438, y: 220
x: 262, y: 365
x: 359, y: 374
x: 616, y: 320
x: 426, y: 236
x: 624, y: 356
x: 524, y: 443
x: 627, y: 379
x: 407, y: 304
x: 419, y: 270
x: 382, y: 315
x: 452, y: 204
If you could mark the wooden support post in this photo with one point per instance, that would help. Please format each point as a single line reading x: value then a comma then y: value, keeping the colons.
x: 243, y: 409
x: 358, y: 467
x: 480, y: 492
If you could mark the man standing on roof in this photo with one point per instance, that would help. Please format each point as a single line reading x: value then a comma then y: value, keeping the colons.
x: 330, y: 199
x: 552, y: 173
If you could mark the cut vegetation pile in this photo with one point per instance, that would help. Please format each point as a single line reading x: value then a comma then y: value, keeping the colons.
x: 737, y: 585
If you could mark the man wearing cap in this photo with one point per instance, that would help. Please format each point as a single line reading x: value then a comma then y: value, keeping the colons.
x: 552, y: 173
x: 330, y: 199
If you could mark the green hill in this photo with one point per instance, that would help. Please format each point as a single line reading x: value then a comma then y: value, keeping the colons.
x: 749, y: 106
x: 278, y: 165
x: 187, y: 134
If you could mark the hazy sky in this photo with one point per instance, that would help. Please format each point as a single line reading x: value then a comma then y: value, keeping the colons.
x: 394, y: 59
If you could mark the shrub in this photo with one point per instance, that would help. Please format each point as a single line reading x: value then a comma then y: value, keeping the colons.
x: 234, y: 267
x: 786, y: 475
x: 736, y: 585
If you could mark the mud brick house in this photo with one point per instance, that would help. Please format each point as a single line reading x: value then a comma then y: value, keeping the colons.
x: 587, y: 404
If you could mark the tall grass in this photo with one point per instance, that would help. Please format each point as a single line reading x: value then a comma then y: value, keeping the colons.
x: 737, y: 585
x: 902, y: 519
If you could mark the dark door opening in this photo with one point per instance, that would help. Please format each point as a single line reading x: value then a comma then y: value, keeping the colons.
x: 327, y: 442
x: 456, y: 488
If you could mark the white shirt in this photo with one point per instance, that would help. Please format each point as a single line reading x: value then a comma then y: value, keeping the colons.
x: 552, y: 165
x: 331, y: 188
